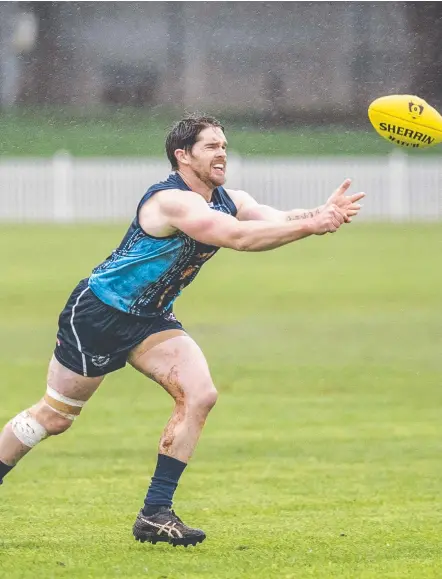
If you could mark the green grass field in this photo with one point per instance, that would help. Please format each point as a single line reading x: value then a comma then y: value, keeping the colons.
x: 322, y: 458
x: 132, y: 133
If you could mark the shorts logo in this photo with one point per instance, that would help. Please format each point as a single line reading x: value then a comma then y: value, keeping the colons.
x: 100, y: 361
x: 170, y: 317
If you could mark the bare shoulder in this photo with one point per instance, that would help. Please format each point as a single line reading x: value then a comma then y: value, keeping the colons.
x: 157, y: 214
x: 175, y: 201
x: 236, y: 193
x: 241, y: 198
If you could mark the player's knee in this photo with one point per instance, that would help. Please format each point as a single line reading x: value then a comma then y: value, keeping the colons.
x: 53, y: 422
x: 210, y: 398
x: 57, y: 424
x: 57, y: 412
x: 205, y: 398
x: 28, y: 429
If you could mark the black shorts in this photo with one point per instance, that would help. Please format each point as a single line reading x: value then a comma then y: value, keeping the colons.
x: 94, y: 339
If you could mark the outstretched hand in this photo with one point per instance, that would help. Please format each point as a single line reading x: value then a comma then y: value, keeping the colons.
x: 347, y: 204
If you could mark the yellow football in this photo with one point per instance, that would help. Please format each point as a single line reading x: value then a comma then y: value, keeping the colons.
x: 406, y: 120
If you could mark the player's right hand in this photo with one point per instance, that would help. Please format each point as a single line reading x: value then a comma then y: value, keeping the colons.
x: 328, y: 220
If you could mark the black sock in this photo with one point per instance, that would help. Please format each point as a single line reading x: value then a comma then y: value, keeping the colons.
x: 163, y: 485
x: 4, y: 469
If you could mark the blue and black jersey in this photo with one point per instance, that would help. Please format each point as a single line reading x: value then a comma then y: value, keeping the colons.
x: 145, y: 274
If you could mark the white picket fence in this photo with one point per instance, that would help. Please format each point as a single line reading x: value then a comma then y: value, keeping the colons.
x: 67, y: 189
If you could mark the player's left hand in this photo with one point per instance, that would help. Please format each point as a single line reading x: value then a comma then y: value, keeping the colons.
x: 347, y: 204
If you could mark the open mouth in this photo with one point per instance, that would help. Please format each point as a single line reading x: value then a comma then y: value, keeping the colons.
x: 219, y: 169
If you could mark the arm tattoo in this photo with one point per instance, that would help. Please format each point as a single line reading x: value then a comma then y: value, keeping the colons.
x: 305, y: 215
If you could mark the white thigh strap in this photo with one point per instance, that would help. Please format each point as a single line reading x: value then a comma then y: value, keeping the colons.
x: 67, y: 407
x: 61, y: 398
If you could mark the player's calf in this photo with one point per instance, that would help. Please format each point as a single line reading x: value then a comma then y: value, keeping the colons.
x: 53, y: 415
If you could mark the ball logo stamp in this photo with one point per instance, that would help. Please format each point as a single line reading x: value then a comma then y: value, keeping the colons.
x: 100, y: 361
x: 415, y: 109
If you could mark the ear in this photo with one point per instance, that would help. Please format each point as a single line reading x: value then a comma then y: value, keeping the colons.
x: 182, y: 156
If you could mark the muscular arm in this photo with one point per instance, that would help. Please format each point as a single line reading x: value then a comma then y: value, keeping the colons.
x: 249, y: 209
x: 188, y: 212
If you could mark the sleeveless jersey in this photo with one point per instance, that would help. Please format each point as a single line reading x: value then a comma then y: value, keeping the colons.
x: 145, y: 274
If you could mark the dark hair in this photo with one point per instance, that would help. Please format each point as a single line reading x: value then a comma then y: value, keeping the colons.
x: 184, y: 134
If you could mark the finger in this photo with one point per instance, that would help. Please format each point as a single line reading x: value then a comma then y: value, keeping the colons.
x: 340, y: 215
x: 353, y: 209
x: 356, y: 197
x: 337, y: 222
x: 343, y: 187
x: 337, y: 209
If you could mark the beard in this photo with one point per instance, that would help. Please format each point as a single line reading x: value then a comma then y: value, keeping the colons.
x: 210, y: 180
